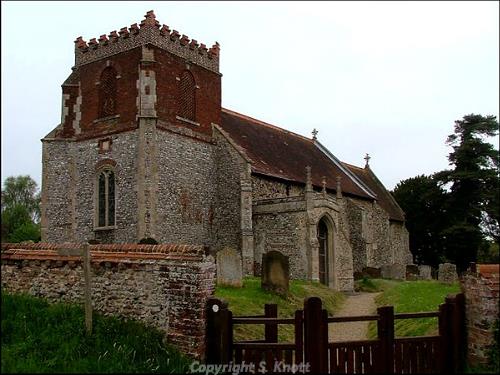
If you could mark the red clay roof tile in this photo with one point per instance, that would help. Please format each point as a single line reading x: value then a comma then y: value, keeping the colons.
x: 282, y: 154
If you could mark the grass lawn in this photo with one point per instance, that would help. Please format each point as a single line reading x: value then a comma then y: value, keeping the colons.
x: 250, y: 300
x: 38, y: 337
x: 410, y: 296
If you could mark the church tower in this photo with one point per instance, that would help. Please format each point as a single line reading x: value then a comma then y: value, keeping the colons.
x: 132, y: 155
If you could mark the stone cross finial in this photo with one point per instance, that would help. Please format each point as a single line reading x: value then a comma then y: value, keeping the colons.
x: 314, y: 133
x: 323, y: 183
x: 308, y: 179
x: 339, y: 187
x: 367, y: 158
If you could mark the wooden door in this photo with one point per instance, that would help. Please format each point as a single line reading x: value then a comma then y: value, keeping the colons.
x: 323, y: 252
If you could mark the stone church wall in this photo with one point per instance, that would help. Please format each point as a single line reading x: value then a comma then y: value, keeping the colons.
x: 69, y: 183
x: 165, y: 286
x: 124, y: 153
x: 284, y: 232
x: 265, y: 188
x: 186, y: 187
x: 376, y: 232
x: 400, y: 247
x: 227, y: 215
x: 56, y: 183
x: 358, y: 243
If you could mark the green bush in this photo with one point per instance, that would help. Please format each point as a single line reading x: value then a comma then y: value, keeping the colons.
x: 28, y: 231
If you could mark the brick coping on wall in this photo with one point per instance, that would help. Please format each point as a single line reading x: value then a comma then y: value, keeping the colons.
x: 102, y: 252
x: 489, y: 270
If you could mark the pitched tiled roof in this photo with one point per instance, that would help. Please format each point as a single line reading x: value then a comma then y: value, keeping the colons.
x: 282, y: 154
x: 384, y: 198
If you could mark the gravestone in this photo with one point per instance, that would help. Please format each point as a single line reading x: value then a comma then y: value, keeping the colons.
x: 229, y: 268
x: 425, y: 272
x: 412, y: 272
x: 368, y: 272
x: 275, y: 274
x: 447, y: 273
x: 394, y: 271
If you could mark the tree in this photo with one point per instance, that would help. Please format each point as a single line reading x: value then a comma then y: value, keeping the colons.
x: 474, y: 182
x: 20, y: 209
x: 424, y: 203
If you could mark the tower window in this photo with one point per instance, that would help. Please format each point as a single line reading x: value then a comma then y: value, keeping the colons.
x: 107, y: 92
x: 187, y: 102
x: 106, y: 198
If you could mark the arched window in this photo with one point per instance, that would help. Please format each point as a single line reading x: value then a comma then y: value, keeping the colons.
x: 106, y: 198
x: 107, y: 92
x: 187, y: 102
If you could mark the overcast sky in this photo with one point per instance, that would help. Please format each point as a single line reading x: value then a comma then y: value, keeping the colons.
x: 384, y: 78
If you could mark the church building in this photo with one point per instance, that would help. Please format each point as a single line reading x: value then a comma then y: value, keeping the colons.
x: 145, y: 150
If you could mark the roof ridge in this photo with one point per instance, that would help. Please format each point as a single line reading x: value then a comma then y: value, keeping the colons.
x: 352, y: 165
x: 263, y: 123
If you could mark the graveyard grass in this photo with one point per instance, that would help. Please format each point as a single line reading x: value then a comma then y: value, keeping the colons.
x: 410, y: 296
x: 250, y: 300
x: 38, y: 337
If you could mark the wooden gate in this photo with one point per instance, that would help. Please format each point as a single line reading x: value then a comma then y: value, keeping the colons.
x: 312, y: 352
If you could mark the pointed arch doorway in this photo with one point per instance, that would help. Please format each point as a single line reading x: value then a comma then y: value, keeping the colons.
x: 324, y: 246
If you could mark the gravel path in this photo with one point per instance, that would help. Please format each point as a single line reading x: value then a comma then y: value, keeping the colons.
x: 356, y: 304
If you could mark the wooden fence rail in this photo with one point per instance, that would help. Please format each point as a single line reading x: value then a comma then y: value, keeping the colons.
x: 441, y: 353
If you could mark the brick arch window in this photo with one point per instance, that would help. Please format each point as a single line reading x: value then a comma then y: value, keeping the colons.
x: 106, y: 197
x: 107, y: 92
x: 187, y: 97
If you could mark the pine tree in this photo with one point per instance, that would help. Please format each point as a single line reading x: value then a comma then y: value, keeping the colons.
x: 474, y: 182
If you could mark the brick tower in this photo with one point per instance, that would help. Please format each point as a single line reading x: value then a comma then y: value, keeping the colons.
x: 137, y: 103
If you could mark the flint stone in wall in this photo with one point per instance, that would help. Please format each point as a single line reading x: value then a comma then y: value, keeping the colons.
x: 394, y: 271
x: 229, y: 271
x: 425, y: 272
x: 447, y: 273
x: 275, y: 272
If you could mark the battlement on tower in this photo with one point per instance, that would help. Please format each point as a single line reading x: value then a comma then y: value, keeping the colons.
x: 148, y: 31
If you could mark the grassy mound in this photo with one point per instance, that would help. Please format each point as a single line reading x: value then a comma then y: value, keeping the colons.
x: 412, y: 296
x: 38, y: 337
x: 250, y: 300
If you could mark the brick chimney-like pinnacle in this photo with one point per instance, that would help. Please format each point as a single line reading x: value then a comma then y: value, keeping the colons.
x: 150, y: 20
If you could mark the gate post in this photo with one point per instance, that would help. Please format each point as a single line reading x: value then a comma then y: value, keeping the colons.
x: 315, y: 336
x: 455, y: 332
x: 460, y: 328
x: 385, y: 330
x: 271, y: 329
x: 444, y: 321
x: 219, y: 332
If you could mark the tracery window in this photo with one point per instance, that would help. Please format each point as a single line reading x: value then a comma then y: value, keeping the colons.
x: 106, y: 198
x: 187, y: 99
x: 107, y: 92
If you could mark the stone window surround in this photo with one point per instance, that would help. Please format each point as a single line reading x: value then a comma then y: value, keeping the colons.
x: 187, y: 120
x: 107, y: 118
x: 99, y: 170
